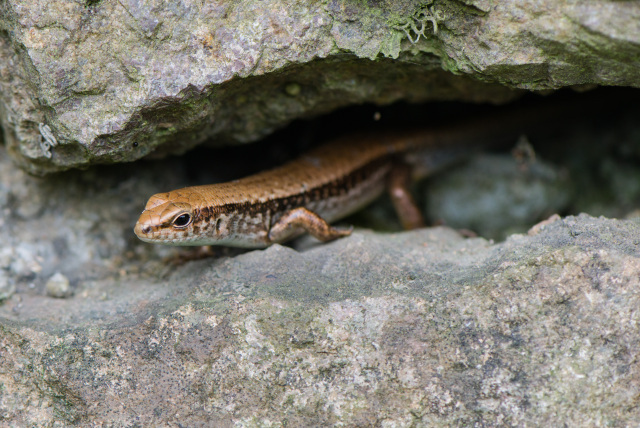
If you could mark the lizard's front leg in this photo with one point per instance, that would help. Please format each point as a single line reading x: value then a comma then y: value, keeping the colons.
x: 312, y: 223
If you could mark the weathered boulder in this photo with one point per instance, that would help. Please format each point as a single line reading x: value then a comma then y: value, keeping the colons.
x: 413, y: 328
x: 85, y: 82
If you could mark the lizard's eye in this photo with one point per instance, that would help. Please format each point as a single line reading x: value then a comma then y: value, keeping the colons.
x: 183, y: 220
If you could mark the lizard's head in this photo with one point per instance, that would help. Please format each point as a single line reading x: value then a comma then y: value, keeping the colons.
x: 191, y: 217
x: 169, y: 219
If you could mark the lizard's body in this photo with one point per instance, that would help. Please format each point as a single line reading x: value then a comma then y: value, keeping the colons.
x: 325, y: 185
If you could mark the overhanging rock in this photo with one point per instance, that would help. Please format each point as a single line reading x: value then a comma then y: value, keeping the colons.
x: 87, y: 82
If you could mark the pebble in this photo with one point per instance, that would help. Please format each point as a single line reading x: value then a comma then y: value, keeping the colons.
x: 58, y: 286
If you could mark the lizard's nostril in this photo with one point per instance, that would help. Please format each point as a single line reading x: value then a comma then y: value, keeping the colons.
x: 146, y: 229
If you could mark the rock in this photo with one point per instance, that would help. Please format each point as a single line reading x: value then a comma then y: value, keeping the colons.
x: 58, y: 286
x: 496, y: 196
x: 422, y: 327
x: 175, y: 77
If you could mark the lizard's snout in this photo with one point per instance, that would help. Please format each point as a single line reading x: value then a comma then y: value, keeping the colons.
x: 142, y: 229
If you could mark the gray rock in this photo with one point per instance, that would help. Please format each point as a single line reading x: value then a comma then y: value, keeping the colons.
x: 90, y: 82
x: 58, y: 286
x: 419, y: 328
x: 496, y: 196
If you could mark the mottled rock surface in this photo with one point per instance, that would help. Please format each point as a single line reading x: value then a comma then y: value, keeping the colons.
x: 90, y: 81
x: 389, y: 330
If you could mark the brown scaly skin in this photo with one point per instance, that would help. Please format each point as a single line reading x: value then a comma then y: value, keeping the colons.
x: 323, y: 186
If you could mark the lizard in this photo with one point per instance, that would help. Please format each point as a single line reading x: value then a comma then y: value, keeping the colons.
x: 324, y: 185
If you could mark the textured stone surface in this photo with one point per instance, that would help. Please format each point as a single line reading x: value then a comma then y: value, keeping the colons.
x: 109, y: 82
x: 421, y: 327
x: 512, y: 198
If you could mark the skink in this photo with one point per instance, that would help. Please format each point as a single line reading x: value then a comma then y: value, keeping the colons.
x: 323, y: 186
